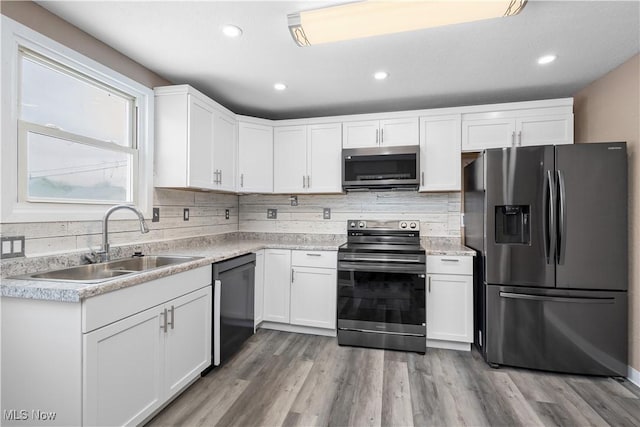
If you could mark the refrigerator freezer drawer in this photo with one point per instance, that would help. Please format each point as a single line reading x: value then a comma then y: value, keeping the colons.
x: 582, y: 332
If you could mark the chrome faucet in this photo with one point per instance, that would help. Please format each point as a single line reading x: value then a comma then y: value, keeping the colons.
x: 103, y: 254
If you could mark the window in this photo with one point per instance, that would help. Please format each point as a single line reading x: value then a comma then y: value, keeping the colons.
x: 76, y: 137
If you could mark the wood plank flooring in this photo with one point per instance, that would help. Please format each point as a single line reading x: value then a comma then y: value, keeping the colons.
x: 286, y: 379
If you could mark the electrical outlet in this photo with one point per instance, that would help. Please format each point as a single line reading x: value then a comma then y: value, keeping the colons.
x: 12, y: 246
x: 272, y: 213
x: 226, y: 214
x: 156, y: 215
x: 294, y: 200
x: 185, y: 214
x: 326, y: 213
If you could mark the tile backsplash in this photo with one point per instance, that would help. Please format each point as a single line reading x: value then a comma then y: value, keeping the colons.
x: 206, y: 217
x: 438, y: 213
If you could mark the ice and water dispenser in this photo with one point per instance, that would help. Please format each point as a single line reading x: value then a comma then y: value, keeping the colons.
x: 513, y: 225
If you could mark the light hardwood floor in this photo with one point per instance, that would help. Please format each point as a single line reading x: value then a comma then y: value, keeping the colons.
x: 285, y: 379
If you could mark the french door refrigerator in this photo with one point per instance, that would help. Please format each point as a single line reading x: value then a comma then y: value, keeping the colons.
x: 549, y: 224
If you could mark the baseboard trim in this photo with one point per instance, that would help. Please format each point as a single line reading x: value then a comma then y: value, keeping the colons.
x: 633, y: 376
x: 449, y: 345
x: 297, y: 329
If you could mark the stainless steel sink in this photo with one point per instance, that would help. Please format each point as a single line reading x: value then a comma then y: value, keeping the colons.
x: 96, y: 273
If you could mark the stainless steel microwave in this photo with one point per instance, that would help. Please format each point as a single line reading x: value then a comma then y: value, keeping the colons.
x: 381, y: 168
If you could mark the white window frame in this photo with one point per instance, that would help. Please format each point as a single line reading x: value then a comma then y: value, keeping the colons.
x: 14, y: 207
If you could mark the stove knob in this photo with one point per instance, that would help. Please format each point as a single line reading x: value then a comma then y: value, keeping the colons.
x: 361, y: 224
x: 403, y: 225
x: 412, y: 225
x: 352, y: 224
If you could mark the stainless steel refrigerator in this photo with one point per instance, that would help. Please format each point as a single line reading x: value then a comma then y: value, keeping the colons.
x: 549, y: 224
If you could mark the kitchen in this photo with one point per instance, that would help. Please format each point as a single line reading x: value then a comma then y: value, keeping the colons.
x: 438, y: 212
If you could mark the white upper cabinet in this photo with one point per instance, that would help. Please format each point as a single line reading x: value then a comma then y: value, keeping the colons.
x: 324, y: 164
x: 255, y: 158
x: 290, y: 159
x: 191, y: 130
x: 306, y: 159
x: 225, y: 147
x: 517, y: 128
x: 376, y: 133
x: 440, y: 138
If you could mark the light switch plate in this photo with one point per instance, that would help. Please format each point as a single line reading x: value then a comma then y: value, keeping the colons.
x: 185, y: 214
x: 294, y: 200
x: 226, y: 214
x: 326, y: 213
x: 272, y: 213
x: 156, y: 215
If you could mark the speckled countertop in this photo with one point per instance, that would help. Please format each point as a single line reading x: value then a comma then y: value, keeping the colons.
x: 210, y: 253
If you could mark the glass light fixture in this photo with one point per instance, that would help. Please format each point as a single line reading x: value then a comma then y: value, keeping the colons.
x: 380, y: 75
x: 372, y: 18
x: 546, y: 59
x: 231, y: 31
x: 279, y: 86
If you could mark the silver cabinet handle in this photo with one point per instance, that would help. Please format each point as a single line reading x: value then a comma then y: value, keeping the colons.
x: 163, y: 326
x: 450, y: 260
x: 172, y: 323
x: 422, y: 178
x: 292, y: 279
x: 382, y: 136
x: 304, y: 185
x: 429, y: 283
x: 377, y: 140
x: 513, y: 138
x: 308, y: 254
x: 241, y: 180
x: 519, y: 138
x: 308, y: 181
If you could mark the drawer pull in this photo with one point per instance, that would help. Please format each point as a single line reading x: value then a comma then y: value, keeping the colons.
x: 449, y: 260
x: 314, y: 254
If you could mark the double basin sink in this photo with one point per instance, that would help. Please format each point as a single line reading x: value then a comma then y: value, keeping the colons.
x: 101, y: 272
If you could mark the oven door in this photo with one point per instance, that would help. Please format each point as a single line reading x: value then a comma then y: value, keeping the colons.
x: 382, y: 297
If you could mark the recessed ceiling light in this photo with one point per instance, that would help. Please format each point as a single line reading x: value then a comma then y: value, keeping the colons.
x: 279, y: 86
x: 231, y: 31
x: 546, y: 59
x: 381, y: 75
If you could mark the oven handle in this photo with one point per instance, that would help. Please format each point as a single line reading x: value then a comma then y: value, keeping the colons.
x: 382, y: 266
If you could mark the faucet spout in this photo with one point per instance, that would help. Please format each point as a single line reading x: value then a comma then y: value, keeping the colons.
x: 105, y: 227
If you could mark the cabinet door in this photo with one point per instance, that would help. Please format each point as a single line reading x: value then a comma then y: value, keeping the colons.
x: 255, y: 158
x: 187, y: 340
x: 258, y: 294
x: 313, y: 297
x: 395, y: 132
x: 360, y: 134
x: 290, y: 159
x: 224, y: 151
x: 491, y: 133
x: 324, y: 166
x: 450, y: 307
x: 543, y: 130
x: 122, y: 372
x: 440, y: 153
x: 200, y: 146
x: 277, y: 273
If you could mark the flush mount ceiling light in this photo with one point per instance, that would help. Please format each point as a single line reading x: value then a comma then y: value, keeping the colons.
x: 279, y: 86
x: 372, y: 18
x: 381, y: 75
x: 231, y: 31
x: 546, y: 59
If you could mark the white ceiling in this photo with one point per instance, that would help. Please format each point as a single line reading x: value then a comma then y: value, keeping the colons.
x: 476, y: 63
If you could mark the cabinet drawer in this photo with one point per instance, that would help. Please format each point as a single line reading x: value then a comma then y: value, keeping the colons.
x: 322, y: 259
x: 443, y: 264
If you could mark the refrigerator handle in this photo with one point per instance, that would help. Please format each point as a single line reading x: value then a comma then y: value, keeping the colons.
x: 549, y: 224
x: 579, y: 300
x: 562, y: 218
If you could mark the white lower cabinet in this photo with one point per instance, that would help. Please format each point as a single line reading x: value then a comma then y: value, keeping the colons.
x: 450, y: 302
x: 258, y: 293
x: 300, y: 290
x: 113, y: 359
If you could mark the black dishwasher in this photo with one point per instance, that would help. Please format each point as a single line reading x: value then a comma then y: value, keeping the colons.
x: 233, y: 305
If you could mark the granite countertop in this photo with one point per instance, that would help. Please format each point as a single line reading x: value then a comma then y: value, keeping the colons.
x: 75, y: 292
